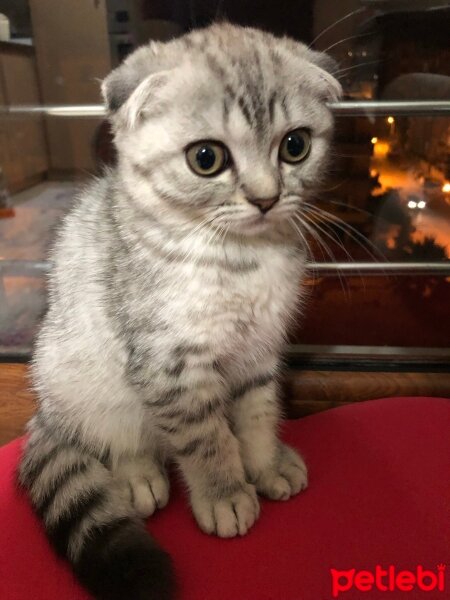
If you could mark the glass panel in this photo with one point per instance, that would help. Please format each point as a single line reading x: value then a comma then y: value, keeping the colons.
x: 376, y: 311
x: 23, y: 303
x: 387, y: 197
x: 389, y: 192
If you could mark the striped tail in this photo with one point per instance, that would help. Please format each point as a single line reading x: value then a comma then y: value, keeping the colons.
x: 90, y: 521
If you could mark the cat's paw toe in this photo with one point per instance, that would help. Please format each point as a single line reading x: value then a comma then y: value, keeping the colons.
x: 286, y: 479
x: 147, y: 494
x: 292, y: 467
x: 274, y: 486
x: 228, y: 516
x: 144, y: 482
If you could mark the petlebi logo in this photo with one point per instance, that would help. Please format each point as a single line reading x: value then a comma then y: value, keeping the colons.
x: 388, y: 579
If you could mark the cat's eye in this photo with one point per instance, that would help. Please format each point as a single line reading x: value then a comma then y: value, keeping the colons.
x: 207, y: 158
x: 295, y: 146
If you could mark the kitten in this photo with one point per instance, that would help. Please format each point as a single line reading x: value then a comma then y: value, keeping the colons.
x: 174, y: 281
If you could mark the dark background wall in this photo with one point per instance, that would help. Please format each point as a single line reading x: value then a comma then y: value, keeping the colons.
x: 283, y: 17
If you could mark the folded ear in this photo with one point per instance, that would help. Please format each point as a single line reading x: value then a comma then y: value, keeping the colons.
x: 322, y: 64
x: 131, y: 83
x: 118, y: 86
x: 129, y: 99
x: 324, y: 61
x: 327, y: 67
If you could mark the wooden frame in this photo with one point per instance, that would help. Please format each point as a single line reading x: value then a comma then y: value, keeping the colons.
x: 304, y: 392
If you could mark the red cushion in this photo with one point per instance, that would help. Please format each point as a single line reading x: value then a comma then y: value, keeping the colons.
x: 379, y: 495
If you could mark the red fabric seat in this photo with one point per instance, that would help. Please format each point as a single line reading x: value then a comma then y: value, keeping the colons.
x: 379, y: 495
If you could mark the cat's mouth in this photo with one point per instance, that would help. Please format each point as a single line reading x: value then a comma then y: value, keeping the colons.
x: 255, y: 224
x: 252, y: 223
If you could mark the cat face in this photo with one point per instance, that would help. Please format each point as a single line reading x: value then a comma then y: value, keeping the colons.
x: 227, y: 127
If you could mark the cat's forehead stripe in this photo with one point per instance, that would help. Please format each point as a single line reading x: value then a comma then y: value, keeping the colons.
x: 243, y: 70
x: 244, y: 84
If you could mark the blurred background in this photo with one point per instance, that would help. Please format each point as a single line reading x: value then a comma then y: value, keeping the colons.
x: 387, y: 197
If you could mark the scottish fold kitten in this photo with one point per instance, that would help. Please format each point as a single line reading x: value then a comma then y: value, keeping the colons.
x: 174, y: 281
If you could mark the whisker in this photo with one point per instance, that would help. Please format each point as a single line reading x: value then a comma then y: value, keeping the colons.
x: 364, y: 64
x: 193, y: 237
x: 348, y: 39
x: 347, y: 16
x: 224, y: 235
x: 344, y: 205
x: 188, y: 255
x: 314, y: 237
x: 342, y: 245
x: 306, y: 247
x: 339, y: 155
x: 360, y: 239
x: 335, y: 187
x: 345, y: 227
x: 327, y: 249
x: 334, y: 238
x: 222, y: 240
x: 216, y: 230
x: 304, y: 240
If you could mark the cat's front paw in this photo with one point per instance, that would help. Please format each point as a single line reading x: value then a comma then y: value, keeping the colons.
x: 287, y: 477
x: 146, y: 484
x: 227, y: 516
x: 148, y: 493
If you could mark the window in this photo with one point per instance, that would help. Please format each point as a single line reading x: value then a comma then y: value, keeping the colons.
x: 380, y: 272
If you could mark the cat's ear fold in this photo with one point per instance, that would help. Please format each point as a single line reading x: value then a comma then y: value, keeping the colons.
x: 322, y: 65
x: 128, y: 99
x: 324, y: 61
x: 327, y: 68
x: 118, y: 86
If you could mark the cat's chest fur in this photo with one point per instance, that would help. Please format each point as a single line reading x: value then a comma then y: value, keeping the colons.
x: 238, y: 311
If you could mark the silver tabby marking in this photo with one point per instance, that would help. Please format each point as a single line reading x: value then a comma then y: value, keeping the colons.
x: 170, y: 299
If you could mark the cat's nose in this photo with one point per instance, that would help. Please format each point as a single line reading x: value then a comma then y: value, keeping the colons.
x: 264, y: 204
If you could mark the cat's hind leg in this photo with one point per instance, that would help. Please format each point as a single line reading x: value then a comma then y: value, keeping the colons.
x: 89, y: 519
